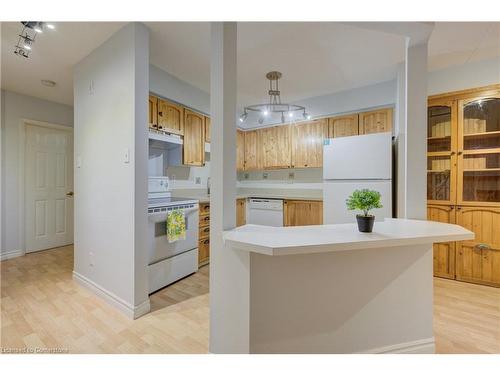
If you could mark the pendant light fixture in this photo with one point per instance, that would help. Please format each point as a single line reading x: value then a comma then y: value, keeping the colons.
x: 275, y: 106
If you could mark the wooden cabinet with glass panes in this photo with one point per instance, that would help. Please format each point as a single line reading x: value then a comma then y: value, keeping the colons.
x: 463, y: 180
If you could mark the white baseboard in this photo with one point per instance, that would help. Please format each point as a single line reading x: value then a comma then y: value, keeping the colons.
x: 11, y: 254
x: 132, y: 312
x: 424, y: 346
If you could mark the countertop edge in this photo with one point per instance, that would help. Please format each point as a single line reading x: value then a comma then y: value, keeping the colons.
x: 350, y: 245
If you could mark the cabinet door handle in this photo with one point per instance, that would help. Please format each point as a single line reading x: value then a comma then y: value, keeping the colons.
x: 206, y: 242
x: 460, y: 152
x: 160, y: 113
x: 453, y: 153
x: 459, y: 208
x: 482, y: 246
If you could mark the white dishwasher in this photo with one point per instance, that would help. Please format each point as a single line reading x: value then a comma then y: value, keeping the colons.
x: 265, y: 212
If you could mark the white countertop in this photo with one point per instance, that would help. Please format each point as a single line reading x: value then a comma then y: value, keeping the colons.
x: 340, y: 237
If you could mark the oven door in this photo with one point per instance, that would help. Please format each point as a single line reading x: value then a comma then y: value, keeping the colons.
x: 159, y: 247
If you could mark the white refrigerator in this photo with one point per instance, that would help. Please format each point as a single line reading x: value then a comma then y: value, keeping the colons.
x: 357, y: 162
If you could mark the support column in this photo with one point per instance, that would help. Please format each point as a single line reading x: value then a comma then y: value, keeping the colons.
x: 229, y: 291
x: 416, y: 130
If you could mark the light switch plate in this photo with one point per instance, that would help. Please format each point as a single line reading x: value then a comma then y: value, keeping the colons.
x: 197, y: 180
x: 265, y: 176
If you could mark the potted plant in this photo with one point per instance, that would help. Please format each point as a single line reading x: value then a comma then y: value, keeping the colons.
x: 364, y: 200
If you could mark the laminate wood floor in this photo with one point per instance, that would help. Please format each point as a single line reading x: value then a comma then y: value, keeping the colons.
x: 42, y: 307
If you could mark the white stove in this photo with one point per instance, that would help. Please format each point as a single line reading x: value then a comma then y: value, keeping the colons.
x: 160, y: 196
x: 170, y: 261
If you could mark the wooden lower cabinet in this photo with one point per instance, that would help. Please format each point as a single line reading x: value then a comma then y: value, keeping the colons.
x: 203, y: 251
x: 302, y: 212
x: 241, y: 212
x: 204, y: 234
x: 444, y: 253
x: 478, y: 261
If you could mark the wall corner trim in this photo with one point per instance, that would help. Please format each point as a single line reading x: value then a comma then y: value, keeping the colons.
x: 11, y: 254
x: 423, y: 346
x: 132, y: 312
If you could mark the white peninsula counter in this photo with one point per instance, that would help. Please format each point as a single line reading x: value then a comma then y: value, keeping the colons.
x: 327, y: 288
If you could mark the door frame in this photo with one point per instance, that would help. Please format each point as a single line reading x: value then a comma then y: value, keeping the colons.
x: 24, y: 123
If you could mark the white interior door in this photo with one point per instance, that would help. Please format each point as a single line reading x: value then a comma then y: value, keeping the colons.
x: 48, y: 188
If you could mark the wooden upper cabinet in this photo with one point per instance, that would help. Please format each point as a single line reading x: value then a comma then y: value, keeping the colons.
x: 307, y: 143
x: 153, y: 112
x: 252, y: 150
x: 297, y: 212
x: 240, y: 150
x: 194, y: 138
x: 444, y: 253
x: 241, y: 212
x: 378, y: 121
x: 343, y: 126
x: 275, y: 147
x: 207, y: 129
x: 170, y: 117
x: 479, y: 260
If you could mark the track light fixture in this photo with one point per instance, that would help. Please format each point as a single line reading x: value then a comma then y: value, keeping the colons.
x: 27, y: 36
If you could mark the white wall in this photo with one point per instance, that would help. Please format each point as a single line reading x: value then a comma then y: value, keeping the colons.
x: 15, y: 108
x: 170, y: 87
x: 110, y: 91
x: 461, y: 77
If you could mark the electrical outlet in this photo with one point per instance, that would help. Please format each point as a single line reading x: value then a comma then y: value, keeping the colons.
x: 246, y: 176
x: 265, y: 176
x: 91, y: 259
x: 197, y: 180
x: 291, y: 175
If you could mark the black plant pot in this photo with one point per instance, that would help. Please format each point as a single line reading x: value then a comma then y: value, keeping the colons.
x: 365, y: 223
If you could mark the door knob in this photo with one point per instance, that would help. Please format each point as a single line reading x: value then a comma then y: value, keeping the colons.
x: 70, y: 194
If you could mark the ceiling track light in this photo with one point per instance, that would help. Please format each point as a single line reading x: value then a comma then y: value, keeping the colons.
x: 27, y: 36
x: 274, y: 106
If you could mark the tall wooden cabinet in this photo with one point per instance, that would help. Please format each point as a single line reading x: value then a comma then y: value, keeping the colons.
x: 463, y: 181
x: 194, y: 138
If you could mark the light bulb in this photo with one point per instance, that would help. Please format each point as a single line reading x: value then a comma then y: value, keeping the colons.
x: 290, y: 114
x: 50, y: 26
x: 241, y: 119
x: 27, y: 47
x: 266, y: 112
x: 38, y: 29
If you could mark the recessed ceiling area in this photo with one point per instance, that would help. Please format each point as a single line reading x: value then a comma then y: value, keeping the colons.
x: 315, y: 58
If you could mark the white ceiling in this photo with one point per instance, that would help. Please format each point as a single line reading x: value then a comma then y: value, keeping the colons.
x: 315, y: 58
x: 53, y: 56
